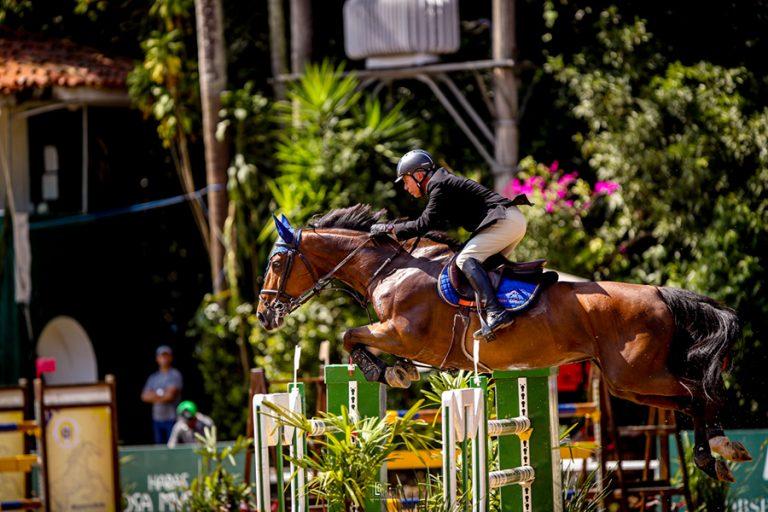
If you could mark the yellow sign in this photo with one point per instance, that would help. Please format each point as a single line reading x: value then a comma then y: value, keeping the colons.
x: 12, y: 485
x: 79, y: 458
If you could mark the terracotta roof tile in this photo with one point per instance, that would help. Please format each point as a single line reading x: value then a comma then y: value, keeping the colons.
x: 29, y: 62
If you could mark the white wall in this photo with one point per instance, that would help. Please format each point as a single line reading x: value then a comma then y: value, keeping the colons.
x: 64, y: 339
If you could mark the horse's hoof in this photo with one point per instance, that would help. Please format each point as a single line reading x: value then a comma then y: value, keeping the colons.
x: 733, y: 451
x: 740, y: 452
x: 723, y: 472
x: 410, y: 370
x: 397, y: 377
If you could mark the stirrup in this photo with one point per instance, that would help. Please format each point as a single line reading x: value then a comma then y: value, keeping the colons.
x: 488, y: 333
x: 485, y: 332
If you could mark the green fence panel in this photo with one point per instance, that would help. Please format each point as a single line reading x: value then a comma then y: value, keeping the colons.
x: 155, y: 478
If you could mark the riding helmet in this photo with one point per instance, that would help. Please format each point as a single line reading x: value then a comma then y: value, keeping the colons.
x: 413, y: 161
x: 186, y: 409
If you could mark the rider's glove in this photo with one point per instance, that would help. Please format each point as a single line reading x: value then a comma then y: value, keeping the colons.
x: 382, y: 229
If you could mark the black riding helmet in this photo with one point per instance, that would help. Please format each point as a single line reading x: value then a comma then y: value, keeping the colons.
x: 413, y: 161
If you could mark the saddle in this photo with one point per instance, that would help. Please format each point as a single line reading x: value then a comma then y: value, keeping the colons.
x: 517, y: 283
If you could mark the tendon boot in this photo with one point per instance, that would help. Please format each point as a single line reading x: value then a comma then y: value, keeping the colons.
x: 496, y: 316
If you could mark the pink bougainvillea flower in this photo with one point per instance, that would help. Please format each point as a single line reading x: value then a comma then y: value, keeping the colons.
x: 549, y: 207
x: 606, y: 187
x: 567, y: 179
x: 562, y: 192
x: 513, y: 188
x: 554, y: 166
x: 536, y: 183
x: 569, y: 203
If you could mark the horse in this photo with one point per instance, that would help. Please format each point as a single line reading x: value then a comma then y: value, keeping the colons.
x: 657, y: 346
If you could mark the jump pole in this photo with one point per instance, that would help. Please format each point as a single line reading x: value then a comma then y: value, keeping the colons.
x: 528, y: 444
x: 346, y: 387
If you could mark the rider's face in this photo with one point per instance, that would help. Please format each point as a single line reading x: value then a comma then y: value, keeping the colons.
x: 410, y: 184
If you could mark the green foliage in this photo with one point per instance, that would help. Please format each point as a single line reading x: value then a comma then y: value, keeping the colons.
x: 352, y: 456
x: 440, y: 382
x: 246, y: 117
x: 221, y: 334
x: 165, y: 85
x: 576, y: 492
x: 14, y: 8
x: 215, y: 487
x: 688, y: 148
x: 337, y: 146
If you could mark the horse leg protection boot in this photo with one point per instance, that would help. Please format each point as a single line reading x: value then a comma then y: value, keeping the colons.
x: 372, y: 367
x: 496, y: 316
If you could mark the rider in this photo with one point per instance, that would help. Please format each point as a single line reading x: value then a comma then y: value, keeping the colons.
x: 496, y: 224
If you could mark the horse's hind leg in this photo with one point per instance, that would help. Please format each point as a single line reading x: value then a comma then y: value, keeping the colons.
x: 702, y: 454
x: 719, y: 443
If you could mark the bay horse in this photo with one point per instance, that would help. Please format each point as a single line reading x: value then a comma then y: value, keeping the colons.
x: 656, y: 346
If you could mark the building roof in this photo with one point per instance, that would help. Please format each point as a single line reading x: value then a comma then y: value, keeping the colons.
x: 30, y: 62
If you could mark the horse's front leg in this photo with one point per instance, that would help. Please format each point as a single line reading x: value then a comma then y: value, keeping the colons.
x: 382, y: 336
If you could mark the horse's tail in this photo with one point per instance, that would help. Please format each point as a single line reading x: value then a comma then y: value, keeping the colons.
x: 707, y: 329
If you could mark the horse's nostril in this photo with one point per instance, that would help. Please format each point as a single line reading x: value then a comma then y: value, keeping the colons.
x: 260, y: 316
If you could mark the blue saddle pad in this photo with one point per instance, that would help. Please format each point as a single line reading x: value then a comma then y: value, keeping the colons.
x: 514, y: 295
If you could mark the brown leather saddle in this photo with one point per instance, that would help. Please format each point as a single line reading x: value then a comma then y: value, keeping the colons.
x: 499, y: 267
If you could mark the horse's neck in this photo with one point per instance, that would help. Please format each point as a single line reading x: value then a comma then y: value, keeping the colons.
x: 326, y: 250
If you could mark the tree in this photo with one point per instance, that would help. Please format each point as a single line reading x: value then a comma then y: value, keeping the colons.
x: 687, y: 147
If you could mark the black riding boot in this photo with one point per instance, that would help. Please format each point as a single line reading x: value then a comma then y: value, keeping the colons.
x: 496, y: 316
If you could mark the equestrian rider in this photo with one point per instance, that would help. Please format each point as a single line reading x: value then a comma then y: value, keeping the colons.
x: 496, y: 224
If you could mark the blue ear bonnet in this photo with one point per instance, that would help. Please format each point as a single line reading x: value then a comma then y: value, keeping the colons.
x: 288, y: 236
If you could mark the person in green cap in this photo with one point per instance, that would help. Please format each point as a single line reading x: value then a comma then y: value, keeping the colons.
x: 189, y: 423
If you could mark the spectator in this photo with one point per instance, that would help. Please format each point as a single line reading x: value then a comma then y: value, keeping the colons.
x: 162, y: 390
x: 190, y: 422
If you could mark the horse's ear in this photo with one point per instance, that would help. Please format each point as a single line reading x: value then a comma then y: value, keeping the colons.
x: 285, y: 220
x: 285, y: 232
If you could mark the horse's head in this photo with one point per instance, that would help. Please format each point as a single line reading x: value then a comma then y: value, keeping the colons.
x: 288, y: 276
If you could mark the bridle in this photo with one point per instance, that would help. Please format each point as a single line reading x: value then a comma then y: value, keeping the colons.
x: 285, y: 303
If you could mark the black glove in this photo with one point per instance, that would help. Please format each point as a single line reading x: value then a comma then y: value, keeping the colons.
x: 381, y: 229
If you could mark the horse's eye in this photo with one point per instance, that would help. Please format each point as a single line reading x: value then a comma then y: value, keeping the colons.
x: 276, y: 264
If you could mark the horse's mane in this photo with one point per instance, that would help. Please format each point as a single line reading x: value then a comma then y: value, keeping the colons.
x: 361, y: 217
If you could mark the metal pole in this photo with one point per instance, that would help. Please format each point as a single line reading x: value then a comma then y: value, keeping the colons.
x: 458, y: 119
x: 505, y: 93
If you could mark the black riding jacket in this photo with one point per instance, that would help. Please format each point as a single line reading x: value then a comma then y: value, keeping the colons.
x: 455, y: 201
